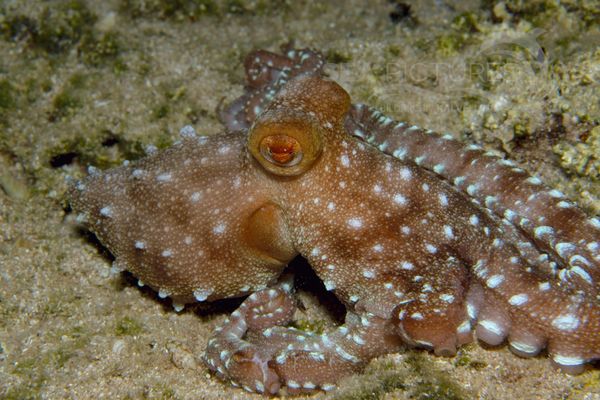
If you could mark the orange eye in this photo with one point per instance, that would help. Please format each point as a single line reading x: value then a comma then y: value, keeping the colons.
x: 281, y: 150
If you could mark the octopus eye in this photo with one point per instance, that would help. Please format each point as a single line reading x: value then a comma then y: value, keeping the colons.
x: 282, y: 150
x: 285, y: 146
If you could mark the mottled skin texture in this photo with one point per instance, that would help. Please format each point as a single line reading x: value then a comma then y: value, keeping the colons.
x: 426, y: 242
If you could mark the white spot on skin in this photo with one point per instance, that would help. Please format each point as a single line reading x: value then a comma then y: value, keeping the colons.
x: 509, y: 214
x: 459, y: 180
x: 140, y: 245
x: 543, y: 230
x: 400, y: 153
x: 405, y: 173
x: 166, y: 177
x: 106, y: 211
x: 582, y: 273
x: 474, y: 220
x: 202, y: 294
x: 167, y: 253
x: 439, y: 168
x: 329, y: 285
x: 448, y: 298
x: 544, y: 286
x: 345, y: 161
x: 407, y: 265
x: 355, y: 223
x: 471, y: 311
x: 219, y: 229
x: 472, y: 189
x: 492, y: 326
x: 378, y: 248
x: 494, y: 281
x: 566, y: 322
x: 187, y: 240
x: 195, y: 197
x: 518, y: 299
x: 417, y: 316
x: 405, y: 230
x: 224, y: 150
x: 524, y: 347
x: 331, y: 206
x: 465, y: 327
x: 443, y: 199
x: 399, y: 199
x: 431, y: 248
x: 448, y: 232
x: 567, y: 361
x: 563, y: 248
x: 369, y: 274
x: 534, y: 180
x: 490, y: 200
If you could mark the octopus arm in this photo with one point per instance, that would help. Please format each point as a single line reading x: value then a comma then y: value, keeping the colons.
x: 555, y: 225
x: 253, y: 349
x: 266, y: 74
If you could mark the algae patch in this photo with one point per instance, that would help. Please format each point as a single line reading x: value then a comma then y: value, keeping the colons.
x: 581, y: 158
x: 128, y: 326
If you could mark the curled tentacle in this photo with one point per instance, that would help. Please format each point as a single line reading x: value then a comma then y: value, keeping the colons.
x: 266, y: 74
x: 254, y: 349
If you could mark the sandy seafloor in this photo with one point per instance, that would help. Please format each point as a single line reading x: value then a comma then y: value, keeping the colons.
x: 93, y: 82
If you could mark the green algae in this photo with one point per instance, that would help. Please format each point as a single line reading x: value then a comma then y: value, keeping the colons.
x: 61, y: 26
x: 98, y: 51
x: 7, y: 93
x: 57, y: 28
x: 463, y: 359
x: 192, y: 10
x: 7, y: 100
x: 318, y: 326
x: 128, y: 326
x: 421, y: 380
x: 542, y: 12
x: 66, y: 102
x: 99, y: 150
x: 37, y: 370
x: 178, y: 10
x: 581, y: 157
x: 336, y: 56
x: 434, y: 383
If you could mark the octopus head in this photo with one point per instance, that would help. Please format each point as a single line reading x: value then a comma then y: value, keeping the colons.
x: 289, y: 136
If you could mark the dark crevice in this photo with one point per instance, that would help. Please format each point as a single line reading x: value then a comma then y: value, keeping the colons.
x: 63, y: 159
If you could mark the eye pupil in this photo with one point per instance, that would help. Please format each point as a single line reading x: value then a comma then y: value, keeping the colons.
x: 281, y: 154
x: 281, y: 149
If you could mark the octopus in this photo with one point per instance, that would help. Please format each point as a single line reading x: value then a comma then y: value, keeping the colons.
x: 427, y: 242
